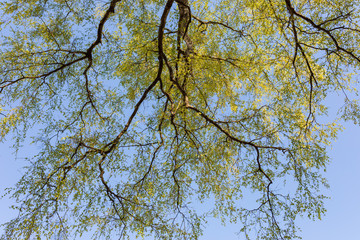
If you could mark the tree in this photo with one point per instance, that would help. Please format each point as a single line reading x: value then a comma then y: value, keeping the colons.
x: 142, y: 109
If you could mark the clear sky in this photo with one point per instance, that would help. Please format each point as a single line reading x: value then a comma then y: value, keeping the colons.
x: 341, y: 222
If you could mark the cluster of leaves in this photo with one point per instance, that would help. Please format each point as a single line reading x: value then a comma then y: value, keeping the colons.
x: 142, y: 109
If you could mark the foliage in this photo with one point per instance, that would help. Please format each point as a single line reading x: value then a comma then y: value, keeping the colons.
x: 145, y: 109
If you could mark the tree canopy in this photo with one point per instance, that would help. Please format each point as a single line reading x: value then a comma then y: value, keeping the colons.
x: 143, y: 111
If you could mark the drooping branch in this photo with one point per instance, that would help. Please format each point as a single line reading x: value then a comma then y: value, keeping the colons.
x: 320, y: 27
x: 109, y: 147
x: 100, y: 28
x: 202, y: 22
x: 112, y: 145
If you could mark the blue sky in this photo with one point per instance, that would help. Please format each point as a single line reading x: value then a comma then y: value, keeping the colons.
x: 343, y: 217
x: 343, y: 210
x: 342, y: 220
